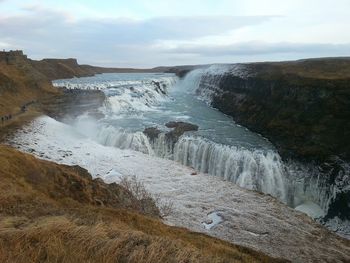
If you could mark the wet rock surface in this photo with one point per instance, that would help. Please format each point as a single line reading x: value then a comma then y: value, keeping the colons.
x: 179, y: 128
x: 152, y: 133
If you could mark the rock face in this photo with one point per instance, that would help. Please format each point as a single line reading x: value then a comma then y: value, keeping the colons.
x: 152, y: 133
x: 178, y: 129
x: 73, y: 102
x: 302, y: 107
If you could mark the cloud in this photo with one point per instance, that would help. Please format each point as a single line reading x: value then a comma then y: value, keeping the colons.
x: 261, y: 48
x: 167, y: 40
x: 45, y: 32
x: 39, y: 22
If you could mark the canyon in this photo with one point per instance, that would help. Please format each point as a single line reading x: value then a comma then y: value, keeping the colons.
x: 300, y: 108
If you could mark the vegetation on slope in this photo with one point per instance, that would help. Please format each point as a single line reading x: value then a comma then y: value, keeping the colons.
x: 20, y: 84
x: 57, y: 213
x: 69, y: 68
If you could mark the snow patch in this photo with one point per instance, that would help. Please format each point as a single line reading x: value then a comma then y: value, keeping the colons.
x: 214, y: 218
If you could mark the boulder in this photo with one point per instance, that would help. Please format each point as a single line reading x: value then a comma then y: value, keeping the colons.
x: 152, y: 133
x: 179, y: 128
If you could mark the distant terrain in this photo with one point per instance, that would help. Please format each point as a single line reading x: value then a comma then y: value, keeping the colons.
x: 58, y: 213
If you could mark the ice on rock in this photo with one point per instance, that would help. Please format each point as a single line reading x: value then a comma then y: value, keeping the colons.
x: 214, y: 218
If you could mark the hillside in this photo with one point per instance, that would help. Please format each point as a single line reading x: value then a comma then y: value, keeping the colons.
x: 69, y: 68
x: 20, y: 83
x: 53, y: 213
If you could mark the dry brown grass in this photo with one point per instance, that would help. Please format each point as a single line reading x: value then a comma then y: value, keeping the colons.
x: 20, y: 84
x: 56, y: 213
x: 139, y: 191
x: 319, y: 68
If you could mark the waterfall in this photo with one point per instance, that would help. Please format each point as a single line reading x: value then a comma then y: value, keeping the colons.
x: 255, y: 170
x: 119, y: 138
x: 125, y: 96
x: 204, y: 82
x: 249, y: 163
x: 320, y: 192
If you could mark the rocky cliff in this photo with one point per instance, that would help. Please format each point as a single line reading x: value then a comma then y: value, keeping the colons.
x: 303, y: 107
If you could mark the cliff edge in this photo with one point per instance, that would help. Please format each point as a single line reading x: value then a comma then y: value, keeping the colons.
x: 303, y: 107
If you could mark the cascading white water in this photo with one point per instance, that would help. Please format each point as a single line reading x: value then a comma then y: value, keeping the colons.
x: 255, y: 170
x: 220, y: 148
x: 263, y: 171
x: 125, y: 96
x: 110, y: 136
x: 203, y: 81
x: 310, y: 188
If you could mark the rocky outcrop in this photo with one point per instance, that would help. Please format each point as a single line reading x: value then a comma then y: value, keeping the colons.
x: 179, y: 128
x: 74, y: 102
x: 152, y: 133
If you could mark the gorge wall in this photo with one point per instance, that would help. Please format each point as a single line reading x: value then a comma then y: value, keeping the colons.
x: 303, y: 107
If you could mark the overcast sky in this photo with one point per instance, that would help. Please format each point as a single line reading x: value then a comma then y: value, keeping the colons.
x: 147, y: 33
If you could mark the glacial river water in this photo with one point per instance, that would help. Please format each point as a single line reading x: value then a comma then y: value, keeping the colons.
x: 219, y: 148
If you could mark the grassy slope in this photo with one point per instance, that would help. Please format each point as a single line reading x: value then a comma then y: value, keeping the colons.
x: 56, y: 213
x: 319, y: 68
x: 20, y: 84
